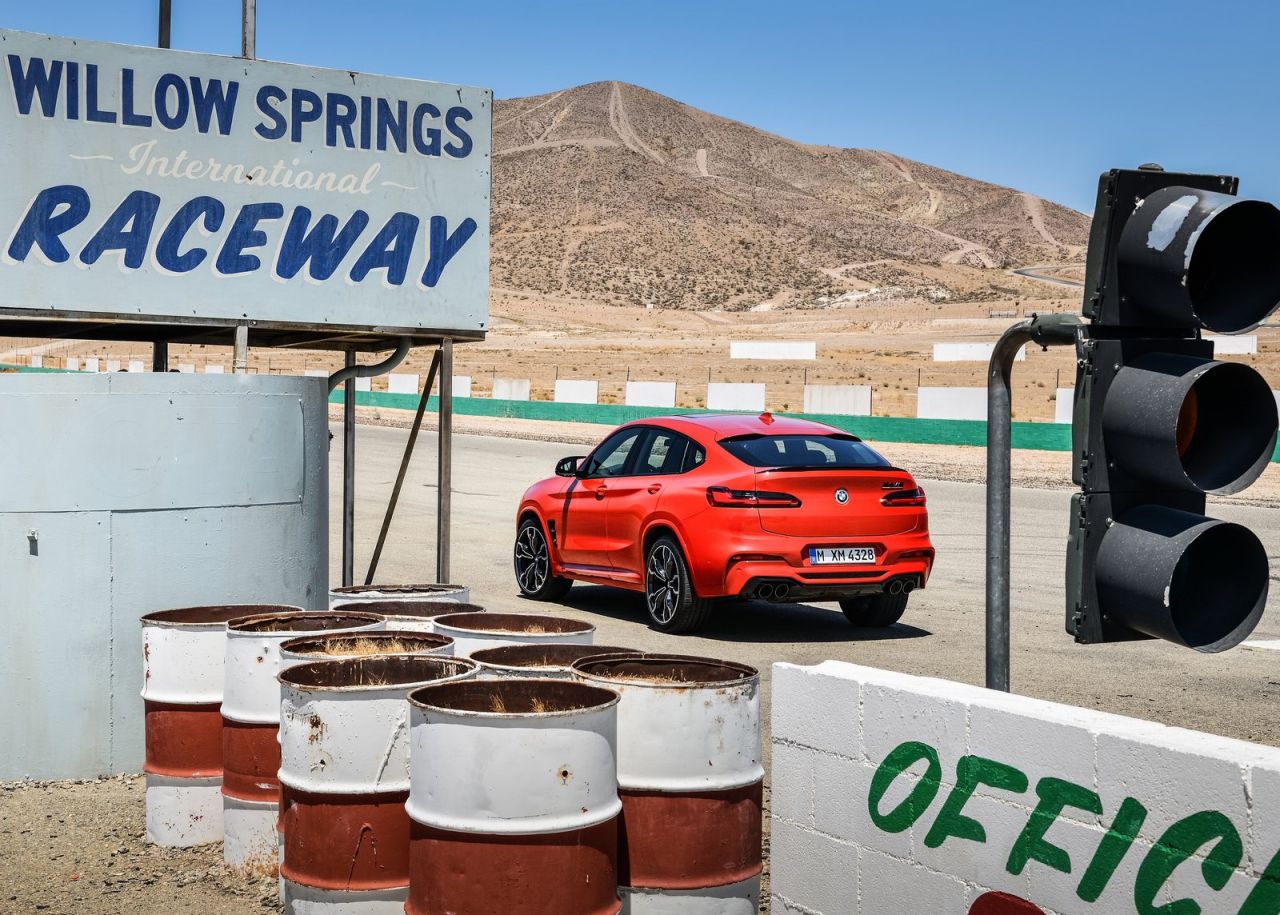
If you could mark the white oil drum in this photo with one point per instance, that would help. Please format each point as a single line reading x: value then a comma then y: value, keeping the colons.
x: 554, y: 660
x: 472, y: 631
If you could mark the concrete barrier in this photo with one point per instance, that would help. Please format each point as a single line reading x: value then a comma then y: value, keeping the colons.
x: 461, y: 385
x: 574, y: 390
x: 840, y: 399
x: 901, y: 794
x: 651, y: 393
x: 722, y: 395
x: 510, y: 389
x: 404, y: 384
x: 1233, y: 344
x: 137, y: 365
x: 92, y: 364
x: 951, y: 403
x: 1063, y: 405
x: 969, y: 352
x: 790, y: 350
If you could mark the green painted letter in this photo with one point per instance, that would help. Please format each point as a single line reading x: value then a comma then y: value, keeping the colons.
x: 1264, y: 899
x: 1179, y: 842
x: 1112, y: 849
x: 971, y: 772
x: 1054, y: 794
x: 898, y: 761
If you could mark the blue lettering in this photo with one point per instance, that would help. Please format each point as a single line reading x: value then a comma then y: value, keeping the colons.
x: 463, y: 147
x: 73, y: 91
x: 395, y: 124
x: 214, y: 99
x: 176, y: 118
x: 43, y: 223
x: 35, y: 81
x: 426, y: 142
x: 319, y: 246
x: 167, y: 254
x: 127, y: 115
x: 267, y: 95
x: 366, y: 122
x: 442, y: 246
x: 92, y: 111
x: 390, y: 249
x: 128, y: 229
x: 246, y: 234
x: 342, y: 114
x: 306, y: 108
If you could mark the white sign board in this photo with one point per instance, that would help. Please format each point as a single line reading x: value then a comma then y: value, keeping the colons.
x: 838, y: 399
x: 1233, y: 345
x: 510, y: 389
x: 773, y: 349
x: 137, y: 178
x: 725, y: 395
x: 651, y: 394
x: 1064, y: 405
x: 969, y: 352
x: 403, y: 384
x: 951, y: 403
x: 575, y: 390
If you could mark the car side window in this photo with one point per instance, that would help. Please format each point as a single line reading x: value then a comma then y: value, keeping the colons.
x: 610, y: 459
x: 663, y: 453
x: 694, y: 456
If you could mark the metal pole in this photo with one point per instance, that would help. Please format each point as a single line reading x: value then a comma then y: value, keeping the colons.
x: 404, y: 467
x: 1046, y: 330
x: 444, y: 490
x: 249, y: 29
x: 160, y: 349
x: 240, y: 352
x: 349, y: 476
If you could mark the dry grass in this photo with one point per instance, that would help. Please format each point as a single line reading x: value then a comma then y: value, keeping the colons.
x: 364, y: 646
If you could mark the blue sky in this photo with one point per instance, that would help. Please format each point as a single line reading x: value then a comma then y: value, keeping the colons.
x: 1038, y: 96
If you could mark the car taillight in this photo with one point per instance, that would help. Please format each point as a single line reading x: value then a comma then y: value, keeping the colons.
x: 724, y: 497
x: 904, y: 498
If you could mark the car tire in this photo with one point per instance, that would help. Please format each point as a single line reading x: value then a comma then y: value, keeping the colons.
x: 874, y: 611
x: 532, y: 560
x: 668, y: 590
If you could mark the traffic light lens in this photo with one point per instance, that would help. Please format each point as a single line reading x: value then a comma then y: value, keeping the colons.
x: 1219, y: 588
x: 1226, y: 432
x: 1233, y: 277
x: 1188, y: 419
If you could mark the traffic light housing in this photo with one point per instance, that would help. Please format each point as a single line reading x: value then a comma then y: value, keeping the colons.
x: 1158, y: 423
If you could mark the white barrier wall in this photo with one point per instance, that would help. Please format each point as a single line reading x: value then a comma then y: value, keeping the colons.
x: 461, y: 385
x: 951, y: 403
x: 838, y: 399
x: 113, y: 365
x: 137, y: 365
x: 212, y: 368
x: 186, y: 369
x: 315, y: 373
x: 901, y: 795
x: 510, y: 389
x: 364, y: 384
x: 574, y: 390
x: 969, y: 352
x: 773, y: 349
x: 723, y: 395
x: 73, y: 364
x: 37, y: 362
x: 651, y: 393
x: 91, y: 364
x: 403, y: 384
x: 1233, y: 344
x: 1063, y: 404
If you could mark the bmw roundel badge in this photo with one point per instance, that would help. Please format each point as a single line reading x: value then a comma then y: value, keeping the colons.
x: 842, y: 496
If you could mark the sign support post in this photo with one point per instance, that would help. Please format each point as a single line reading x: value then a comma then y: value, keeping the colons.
x: 444, y: 489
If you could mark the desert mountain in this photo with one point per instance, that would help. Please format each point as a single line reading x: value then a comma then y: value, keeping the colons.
x: 612, y: 193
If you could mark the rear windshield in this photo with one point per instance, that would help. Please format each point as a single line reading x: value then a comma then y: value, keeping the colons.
x: 803, y: 452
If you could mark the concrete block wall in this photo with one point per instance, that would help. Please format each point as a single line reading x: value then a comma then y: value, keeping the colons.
x: 951, y: 403
x: 895, y: 794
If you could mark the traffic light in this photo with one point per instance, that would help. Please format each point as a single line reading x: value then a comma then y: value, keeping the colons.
x: 1158, y: 423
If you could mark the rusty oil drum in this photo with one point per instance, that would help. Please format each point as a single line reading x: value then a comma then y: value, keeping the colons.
x: 473, y: 631
x: 410, y: 615
x: 424, y: 593
x: 554, y: 660
x: 513, y: 799
x: 344, y: 775
x: 348, y: 645
x: 182, y: 655
x: 691, y: 782
x: 251, y: 725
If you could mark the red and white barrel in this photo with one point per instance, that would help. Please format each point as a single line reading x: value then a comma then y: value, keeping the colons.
x: 344, y: 776
x: 251, y: 725
x: 354, y: 594
x: 182, y: 656
x: 513, y: 798
x: 344, y: 646
x: 416, y: 615
x: 554, y: 661
x: 691, y: 782
x: 472, y: 631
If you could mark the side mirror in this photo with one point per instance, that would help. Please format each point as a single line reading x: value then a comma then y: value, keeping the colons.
x: 568, y: 467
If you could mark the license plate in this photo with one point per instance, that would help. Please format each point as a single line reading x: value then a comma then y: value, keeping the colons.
x: 841, y: 555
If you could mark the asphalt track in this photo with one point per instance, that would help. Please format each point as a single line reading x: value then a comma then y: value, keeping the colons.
x: 1233, y: 694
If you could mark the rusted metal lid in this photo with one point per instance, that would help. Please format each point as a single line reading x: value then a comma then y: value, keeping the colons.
x: 513, y: 698
x: 661, y: 671
x: 348, y: 644
x: 378, y: 672
x: 414, y: 609
x: 213, y: 616
x: 435, y: 588
x: 515, y: 623
x: 318, y: 621
x: 544, y: 656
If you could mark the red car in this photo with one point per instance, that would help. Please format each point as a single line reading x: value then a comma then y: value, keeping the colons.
x: 689, y: 509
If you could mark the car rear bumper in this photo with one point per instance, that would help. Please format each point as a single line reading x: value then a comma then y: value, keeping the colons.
x: 903, y: 562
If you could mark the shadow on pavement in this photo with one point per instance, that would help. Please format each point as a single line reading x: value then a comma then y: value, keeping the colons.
x: 744, y: 621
